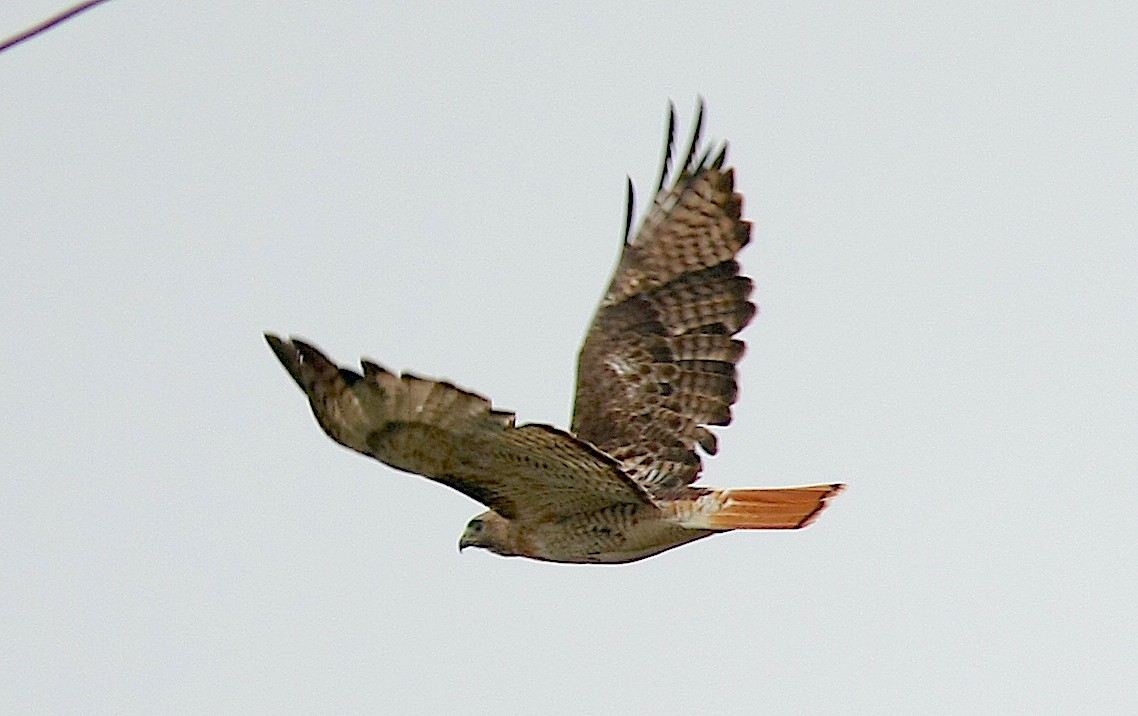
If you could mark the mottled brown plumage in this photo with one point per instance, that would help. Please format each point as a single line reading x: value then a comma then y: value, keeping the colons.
x: 657, y: 368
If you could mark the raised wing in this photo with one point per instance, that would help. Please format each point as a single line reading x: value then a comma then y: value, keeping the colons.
x: 432, y: 428
x: 658, y: 364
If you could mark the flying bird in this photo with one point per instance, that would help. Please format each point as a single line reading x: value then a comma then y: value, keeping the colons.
x: 656, y: 369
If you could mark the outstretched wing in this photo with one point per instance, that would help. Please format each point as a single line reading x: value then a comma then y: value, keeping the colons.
x: 658, y: 364
x: 432, y: 428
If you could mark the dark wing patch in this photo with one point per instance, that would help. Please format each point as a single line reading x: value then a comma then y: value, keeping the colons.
x: 455, y: 437
x: 658, y: 364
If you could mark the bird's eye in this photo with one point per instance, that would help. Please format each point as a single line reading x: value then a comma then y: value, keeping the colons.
x: 476, y: 525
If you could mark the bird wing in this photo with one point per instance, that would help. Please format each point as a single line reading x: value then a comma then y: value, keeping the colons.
x: 434, y: 429
x: 658, y: 362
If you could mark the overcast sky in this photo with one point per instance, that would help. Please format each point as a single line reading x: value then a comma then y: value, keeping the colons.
x: 945, y: 208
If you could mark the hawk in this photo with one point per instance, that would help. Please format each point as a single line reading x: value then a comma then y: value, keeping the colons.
x: 657, y: 367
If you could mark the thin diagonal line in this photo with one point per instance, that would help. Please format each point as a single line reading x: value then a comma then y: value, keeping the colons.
x: 48, y: 24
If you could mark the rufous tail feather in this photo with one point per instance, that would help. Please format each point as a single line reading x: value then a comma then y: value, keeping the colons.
x: 785, y: 508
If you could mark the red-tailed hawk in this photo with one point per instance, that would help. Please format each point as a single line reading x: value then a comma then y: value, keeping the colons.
x: 657, y: 367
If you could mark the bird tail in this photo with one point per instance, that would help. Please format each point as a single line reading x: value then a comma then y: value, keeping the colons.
x: 786, y: 508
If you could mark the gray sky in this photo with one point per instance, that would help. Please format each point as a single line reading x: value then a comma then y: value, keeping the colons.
x: 944, y: 254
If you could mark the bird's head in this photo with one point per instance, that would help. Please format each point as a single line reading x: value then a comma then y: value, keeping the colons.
x: 488, y: 530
